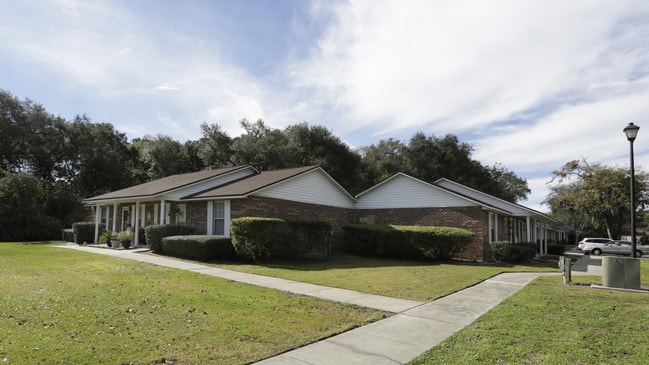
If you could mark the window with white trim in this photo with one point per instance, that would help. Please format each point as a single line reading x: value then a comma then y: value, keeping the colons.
x: 218, y: 228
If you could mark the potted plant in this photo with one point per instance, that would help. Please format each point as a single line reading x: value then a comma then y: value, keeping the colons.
x: 125, y: 237
x: 106, y: 238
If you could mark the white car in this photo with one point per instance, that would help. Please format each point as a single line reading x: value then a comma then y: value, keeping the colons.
x: 615, y: 247
x: 586, y: 241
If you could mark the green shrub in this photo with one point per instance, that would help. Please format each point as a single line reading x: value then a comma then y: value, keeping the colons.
x: 84, y: 232
x: 556, y: 249
x: 505, y: 251
x: 405, y: 241
x: 261, y: 238
x: 68, y: 235
x: 155, y: 234
x: 106, y: 237
x: 198, y: 247
x: 125, y: 236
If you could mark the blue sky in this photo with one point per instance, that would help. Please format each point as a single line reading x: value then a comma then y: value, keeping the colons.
x: 530, y: 84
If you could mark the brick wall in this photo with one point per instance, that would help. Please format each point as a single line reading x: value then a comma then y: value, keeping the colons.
x: 197, y: 216
x: 255, y: 206
x: 471, y: 218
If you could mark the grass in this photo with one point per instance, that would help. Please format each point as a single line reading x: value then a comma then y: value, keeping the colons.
x: 550, y: 323
x: 422, y: 281
x: 65, y: 306
x: 61, y: 306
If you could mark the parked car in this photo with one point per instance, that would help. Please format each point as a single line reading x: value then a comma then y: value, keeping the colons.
x: 585, y: 241
x: 615, y: 247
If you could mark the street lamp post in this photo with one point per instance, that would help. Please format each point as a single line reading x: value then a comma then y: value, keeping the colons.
x: 631, y: 131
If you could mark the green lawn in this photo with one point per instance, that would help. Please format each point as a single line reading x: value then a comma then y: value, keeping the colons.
x: 64, y: 306
x: 60, y: 306
x: 548, y: 322
x: 422, y: 281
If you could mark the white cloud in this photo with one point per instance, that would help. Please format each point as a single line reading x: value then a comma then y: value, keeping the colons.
x: 590, y: 130
x: 455, y: 66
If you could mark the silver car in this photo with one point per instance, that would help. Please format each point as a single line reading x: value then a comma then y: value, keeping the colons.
x: 587, y: 241
x: 615, y: 247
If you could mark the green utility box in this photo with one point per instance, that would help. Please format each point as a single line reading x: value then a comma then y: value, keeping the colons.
x: 620, y: 272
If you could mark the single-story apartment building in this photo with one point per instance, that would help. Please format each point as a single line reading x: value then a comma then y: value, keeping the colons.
x: 210, y: 199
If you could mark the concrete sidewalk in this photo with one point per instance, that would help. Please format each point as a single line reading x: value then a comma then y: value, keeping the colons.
x: 415, y: 328
x: 373, y: 301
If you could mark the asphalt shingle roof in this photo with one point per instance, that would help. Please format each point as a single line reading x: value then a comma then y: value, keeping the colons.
x: 169, y: 183
x: 251, y: 184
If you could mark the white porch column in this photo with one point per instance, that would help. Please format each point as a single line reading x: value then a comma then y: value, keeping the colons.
x: 97, y: 221
x: 529, y: 230
x: 137, y: 223
x: 226, y: 219
x: 163, y: 205
x: 210, y: 218
x: 545, y: 238
x: 114, y: 217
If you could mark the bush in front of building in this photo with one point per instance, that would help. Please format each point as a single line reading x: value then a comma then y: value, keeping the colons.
x: 262, y: 238
x: 67, y: 235
x: 198, y: 247
x: 405, y: 241
x: 84, y: 232
x: 154, y: 234
x: 512, y: 253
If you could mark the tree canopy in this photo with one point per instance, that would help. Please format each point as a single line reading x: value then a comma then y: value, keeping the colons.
x: 596, y: 198
x: 66, y: 161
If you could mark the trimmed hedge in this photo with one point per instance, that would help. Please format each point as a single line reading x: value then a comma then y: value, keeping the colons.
x: 84, y: 232
x: 505, y: 251
x: 67, y: 235
x: 405, y: 241
x: 556, y: 249
x: 261, y: 238
x: 198, y: 247
x: 154, y: 234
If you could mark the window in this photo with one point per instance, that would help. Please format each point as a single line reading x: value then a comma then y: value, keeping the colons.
x: 126, y: 218
x: 219, y: 219
x: 493, y: 227
x: 181, y: 214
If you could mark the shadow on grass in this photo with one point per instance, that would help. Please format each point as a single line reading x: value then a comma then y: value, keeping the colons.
x: 341, y: 260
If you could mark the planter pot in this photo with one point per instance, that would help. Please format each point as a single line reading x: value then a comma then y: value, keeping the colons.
x: 126, y: 244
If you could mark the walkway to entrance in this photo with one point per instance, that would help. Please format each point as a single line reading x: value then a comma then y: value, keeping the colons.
x: 415, y: 327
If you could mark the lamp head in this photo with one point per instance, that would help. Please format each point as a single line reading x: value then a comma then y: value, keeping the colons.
x: 631, y: 131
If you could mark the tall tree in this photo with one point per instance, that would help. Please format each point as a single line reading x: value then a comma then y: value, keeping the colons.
x: 214, y: 149
x: 262, y: 147
x: 596, y: 194
x: 162, y: 156
x: 505, y: 184
x: 382, y: 160
x: 98, y: 158
x: 316, y: 145
x: 430, y: 158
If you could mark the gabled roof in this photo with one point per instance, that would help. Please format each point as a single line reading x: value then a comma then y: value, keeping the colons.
x: 165, y: 185
x: 516, y: 209
x: 398, y: 199
x: 255, y: 183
